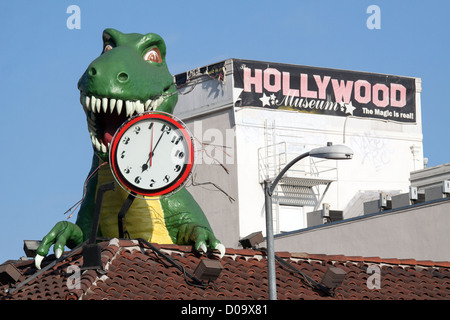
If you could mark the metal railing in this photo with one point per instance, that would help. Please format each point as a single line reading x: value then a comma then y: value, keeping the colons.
x: 273, y: 158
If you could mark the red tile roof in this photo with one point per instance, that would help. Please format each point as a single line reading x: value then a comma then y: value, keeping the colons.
x: 132, y: 270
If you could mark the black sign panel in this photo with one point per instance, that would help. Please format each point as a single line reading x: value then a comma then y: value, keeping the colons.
x: 325, y: 91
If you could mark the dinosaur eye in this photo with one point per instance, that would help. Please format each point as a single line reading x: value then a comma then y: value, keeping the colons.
x: 153, y: 55
x: 107, y: 47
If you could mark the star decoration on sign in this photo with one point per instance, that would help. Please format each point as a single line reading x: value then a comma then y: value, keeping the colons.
x: 265, y: 100
x: 349, y: 108
x: 273, y: 99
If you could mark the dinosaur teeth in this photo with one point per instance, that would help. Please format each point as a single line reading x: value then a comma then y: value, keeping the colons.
x: 119, y: 106
x: 93, y: 99
x: 84, y: 100
x: 129, y: 105
x: 156, y: 103
x: 87, y: 103
x: 112, y: 104
x: 105, y: 104
x: 97, y: 105
x: 93, y: 105
x: 139, y: 106
x: 98, y: 145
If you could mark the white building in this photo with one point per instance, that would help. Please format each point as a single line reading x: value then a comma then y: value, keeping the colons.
x: 250, y: 118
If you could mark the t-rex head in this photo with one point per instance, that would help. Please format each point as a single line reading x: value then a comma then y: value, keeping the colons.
x: 129, y: 77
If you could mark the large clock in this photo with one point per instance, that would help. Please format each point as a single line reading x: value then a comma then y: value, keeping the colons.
x: 152, y: 154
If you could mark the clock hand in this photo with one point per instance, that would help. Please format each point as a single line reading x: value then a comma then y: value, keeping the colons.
x: 145, y: 166
x: 151, y: 149
x: 150, y: 156
x: 157, y: 142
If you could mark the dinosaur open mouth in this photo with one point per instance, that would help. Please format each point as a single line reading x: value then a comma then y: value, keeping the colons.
x: 106, y: 115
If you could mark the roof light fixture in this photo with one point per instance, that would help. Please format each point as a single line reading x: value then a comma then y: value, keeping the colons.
x: 9, y: 274
x: 333, y: 277
x: 30, y: 247
x: 208, y: 269
x: 252, y: 240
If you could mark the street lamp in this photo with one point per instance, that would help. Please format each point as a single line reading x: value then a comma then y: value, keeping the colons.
x: 332, y: 152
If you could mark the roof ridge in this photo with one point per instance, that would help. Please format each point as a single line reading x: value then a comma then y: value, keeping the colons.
x: 107, y: 257
x: 368, y: 259
x: 232, y: 252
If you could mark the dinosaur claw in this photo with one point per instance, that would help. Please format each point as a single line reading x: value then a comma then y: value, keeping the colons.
x: 221, y: 249
x: 37, y: 261
x: 202, y: 247
x: 58, y: 253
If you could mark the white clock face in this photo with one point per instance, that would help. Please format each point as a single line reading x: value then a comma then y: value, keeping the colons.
x: 152, y: 154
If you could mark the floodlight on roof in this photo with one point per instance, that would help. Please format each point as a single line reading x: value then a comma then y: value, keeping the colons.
x: 9, y: 273
x: 333, y: 277
x: 252, y: 240
x: 30, y: 247
x: 208, y: 269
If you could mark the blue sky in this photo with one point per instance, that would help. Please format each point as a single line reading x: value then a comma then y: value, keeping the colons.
x: 46, y: 150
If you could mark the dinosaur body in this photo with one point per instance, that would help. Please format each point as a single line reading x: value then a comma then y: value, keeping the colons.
x: 128, y: 78
x: 156, y: 219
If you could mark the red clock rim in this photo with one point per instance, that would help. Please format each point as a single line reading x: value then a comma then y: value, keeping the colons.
x: 118, y: 135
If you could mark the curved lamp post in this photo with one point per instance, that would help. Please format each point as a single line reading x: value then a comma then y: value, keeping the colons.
x: 332, y: 152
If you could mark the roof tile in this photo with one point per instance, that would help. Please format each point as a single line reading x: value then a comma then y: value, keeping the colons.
x: 355, y: 258
x: 408, y: 261
x: 373, y: 259
x: 444, y: 264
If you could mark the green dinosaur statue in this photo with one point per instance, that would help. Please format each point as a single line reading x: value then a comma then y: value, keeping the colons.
x: 129, y: 77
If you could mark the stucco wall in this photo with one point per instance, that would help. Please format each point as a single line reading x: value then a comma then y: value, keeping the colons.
x: 420, y: 232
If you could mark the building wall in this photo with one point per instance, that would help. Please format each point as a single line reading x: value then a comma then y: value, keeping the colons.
x: 214, y: 183
x: 384, y: 154
x: 205, y: 105
x: 419, y: 232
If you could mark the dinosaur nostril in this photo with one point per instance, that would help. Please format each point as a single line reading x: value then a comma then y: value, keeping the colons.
x: 92, y: 71
x: 122, y: 77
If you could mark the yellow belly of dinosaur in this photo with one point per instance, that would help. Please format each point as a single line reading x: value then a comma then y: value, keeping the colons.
x: 144, y: 219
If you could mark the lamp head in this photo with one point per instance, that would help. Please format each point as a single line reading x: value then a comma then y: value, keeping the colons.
x: 332, y: 152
